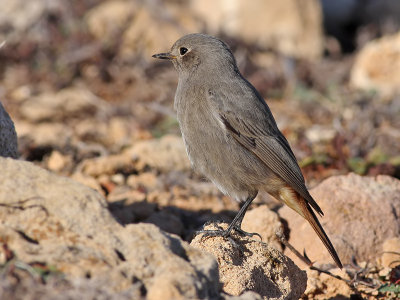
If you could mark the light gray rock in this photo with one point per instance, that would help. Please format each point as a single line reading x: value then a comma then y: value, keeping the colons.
x: 8, y: 136
x: 67, y: 103
x: 64, y: 224
x: 165, y: 154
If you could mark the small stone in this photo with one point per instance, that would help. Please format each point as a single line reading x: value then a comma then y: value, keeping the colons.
x: 384, y: 272
x: 322, y: 286
x: 57, y: 161
x: 363, y: 264
x: 118, y: 179
x: 391, y: 252
x: 106, y: 165
x: 146, y: 180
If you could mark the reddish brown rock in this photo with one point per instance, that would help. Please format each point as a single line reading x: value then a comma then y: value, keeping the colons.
x: 360, y: 214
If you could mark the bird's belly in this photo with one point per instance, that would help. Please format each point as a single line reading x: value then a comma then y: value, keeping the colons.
x: 214, y: 153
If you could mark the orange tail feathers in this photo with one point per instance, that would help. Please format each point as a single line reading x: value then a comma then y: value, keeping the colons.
x: 297, y: 203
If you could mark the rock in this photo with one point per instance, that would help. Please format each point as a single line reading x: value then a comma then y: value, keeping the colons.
x: 47, y: 134
x: 69, y: 102
x: 155, y: 28
x: 106, y: 165
x: 63, y: 289
x: 391, y: 252
x: 322, y: 286
x: 377, y: 66
x: 146, y: 180
x: 64, y: 224
x: 109, y: 18
x: 112, y: 133
x: 58, y: 161
x: 145, y: 28
x: 360, y: 214
x: 249, y: 295
x: 292, y: 27
x: 165, y: 154
x: 8, y: 136
x: 118, y: 179
x: 166, y: 221
x: 253, y: 266
x: 18, y: 16
x: 265, y: 222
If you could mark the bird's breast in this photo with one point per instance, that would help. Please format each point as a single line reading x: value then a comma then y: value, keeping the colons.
x: 214, y: 152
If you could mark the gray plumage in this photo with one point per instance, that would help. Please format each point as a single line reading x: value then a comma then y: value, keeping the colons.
x: 229, y: 132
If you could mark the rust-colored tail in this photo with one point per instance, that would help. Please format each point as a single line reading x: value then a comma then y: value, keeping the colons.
x: 316, y: 225
x: 296, y: 202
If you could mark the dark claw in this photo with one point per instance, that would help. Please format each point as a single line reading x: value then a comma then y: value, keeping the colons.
x: 220, y: 232
x: 226, y: 233
x: 248, y: 234
x: 210, y: 233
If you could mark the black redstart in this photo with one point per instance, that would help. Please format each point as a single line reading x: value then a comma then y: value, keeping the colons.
x: 230, y: 134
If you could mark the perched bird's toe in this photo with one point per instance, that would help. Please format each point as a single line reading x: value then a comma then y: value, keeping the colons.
x: 247, y: 234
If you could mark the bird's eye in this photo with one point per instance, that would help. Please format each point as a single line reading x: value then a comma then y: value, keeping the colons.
x: 183, y: 50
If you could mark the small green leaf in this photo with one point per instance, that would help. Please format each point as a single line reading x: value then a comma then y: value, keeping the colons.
x: 357, y: 165
x: 393, y: 288
x: 376, y: 156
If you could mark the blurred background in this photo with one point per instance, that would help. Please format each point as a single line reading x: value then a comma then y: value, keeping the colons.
x: 89, y: 101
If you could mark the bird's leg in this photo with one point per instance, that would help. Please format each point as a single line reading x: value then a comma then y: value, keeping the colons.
x: 237, y: 221
x: 235, y: 224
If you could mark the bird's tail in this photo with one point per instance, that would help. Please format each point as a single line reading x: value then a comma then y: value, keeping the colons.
x: 297, y: 203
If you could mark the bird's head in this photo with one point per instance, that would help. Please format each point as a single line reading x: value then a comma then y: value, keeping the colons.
x: 200, y: 51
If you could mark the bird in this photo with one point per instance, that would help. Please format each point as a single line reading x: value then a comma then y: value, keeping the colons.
x: 230, y: 134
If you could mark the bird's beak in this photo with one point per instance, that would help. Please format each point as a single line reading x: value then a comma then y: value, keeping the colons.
x: 164, y: 56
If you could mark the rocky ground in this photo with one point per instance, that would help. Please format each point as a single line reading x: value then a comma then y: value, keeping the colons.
x: 102, y: 201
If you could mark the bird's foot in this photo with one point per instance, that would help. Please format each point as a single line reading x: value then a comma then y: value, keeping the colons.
x: 217, y: 232
x: 226, y: 233
x: 247, y: 234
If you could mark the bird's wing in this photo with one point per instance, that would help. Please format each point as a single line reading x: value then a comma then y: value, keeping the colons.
x: 254, y: 127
